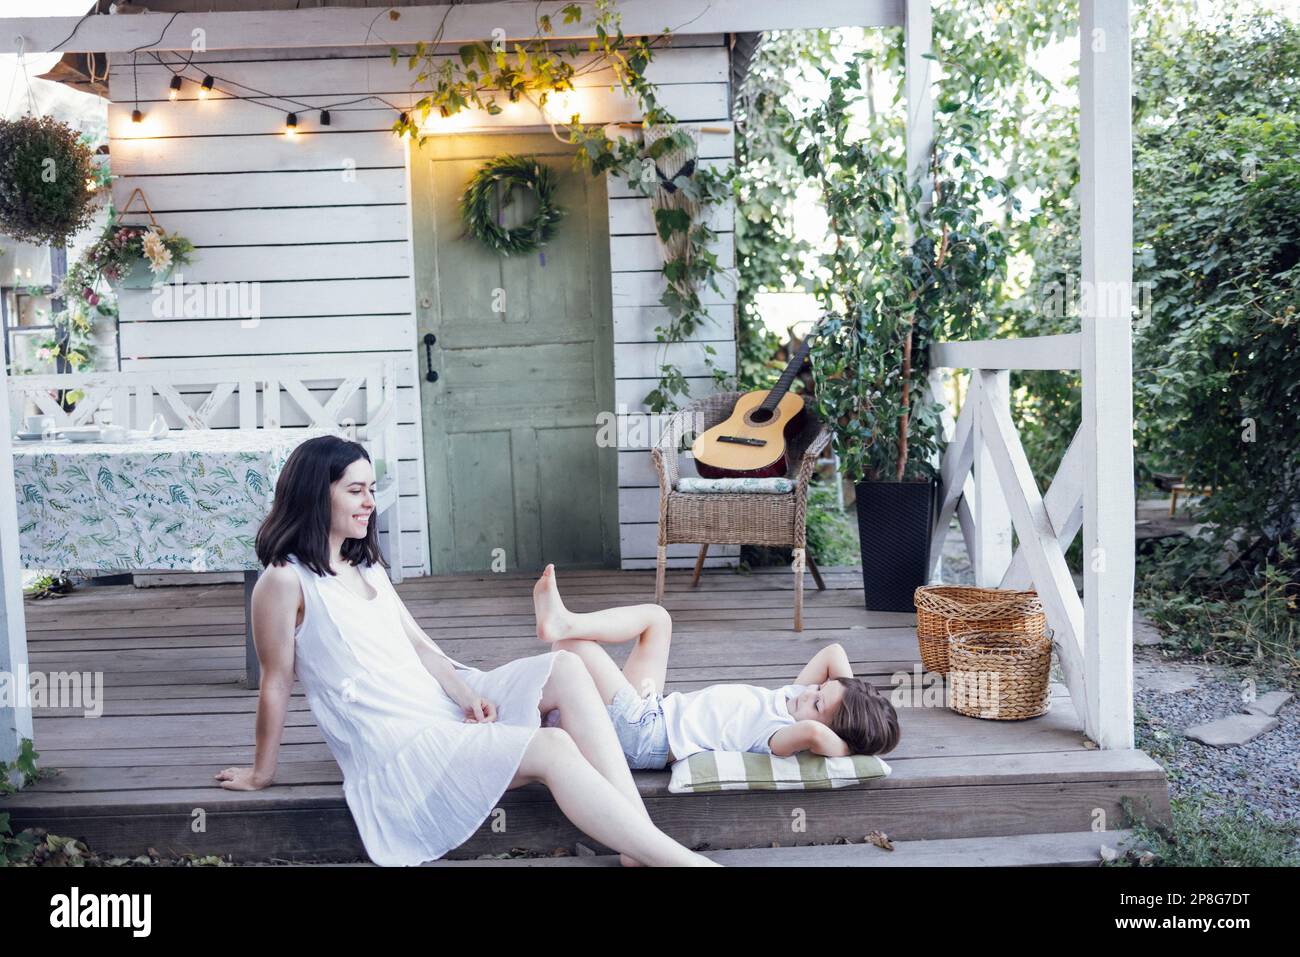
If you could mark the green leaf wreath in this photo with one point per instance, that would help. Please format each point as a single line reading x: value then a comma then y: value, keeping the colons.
x: 497, y: 180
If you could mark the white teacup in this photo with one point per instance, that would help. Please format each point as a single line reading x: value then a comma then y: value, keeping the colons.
x: 113, y: 433
x: 39, y: 424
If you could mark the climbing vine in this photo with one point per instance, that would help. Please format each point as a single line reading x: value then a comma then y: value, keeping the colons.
x: 536, y: 70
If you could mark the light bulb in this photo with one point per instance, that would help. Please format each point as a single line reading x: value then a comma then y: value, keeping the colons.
x: 291, y: 124
x: 205, y: 88
x: 175, y: 90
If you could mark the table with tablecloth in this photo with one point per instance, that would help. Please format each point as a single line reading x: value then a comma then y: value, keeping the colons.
x: 190, y: 500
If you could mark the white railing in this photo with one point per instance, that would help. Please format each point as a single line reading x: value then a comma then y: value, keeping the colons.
x: 197, y: 398
x: 986, y: 482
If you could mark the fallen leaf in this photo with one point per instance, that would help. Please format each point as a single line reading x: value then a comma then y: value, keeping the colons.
x: 881, y: 840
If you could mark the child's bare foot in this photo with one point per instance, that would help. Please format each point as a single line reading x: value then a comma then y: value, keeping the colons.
x: 552, y: 616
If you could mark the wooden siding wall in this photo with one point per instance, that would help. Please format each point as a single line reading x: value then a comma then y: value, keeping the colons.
x: 320, y: 221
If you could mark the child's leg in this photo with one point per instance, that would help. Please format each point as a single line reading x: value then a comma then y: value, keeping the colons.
x: 650, y: 625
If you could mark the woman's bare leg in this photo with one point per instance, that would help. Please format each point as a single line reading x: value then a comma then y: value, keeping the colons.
x: 572, y: 690
x: 594, y: 805
x: 649, y: 625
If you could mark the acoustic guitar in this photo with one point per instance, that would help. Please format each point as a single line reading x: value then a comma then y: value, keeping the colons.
x: 751, y: 443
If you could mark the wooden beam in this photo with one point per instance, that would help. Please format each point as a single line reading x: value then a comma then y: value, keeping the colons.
x: 953, y: 474
x: 1031, y: 352
x: 918, y: 78
x: 992, y: 553
x: 15, y: 715
x: 1106, y: 219
x: 350, y: 26
x: 1051, y: 576
x: 1064, y: 501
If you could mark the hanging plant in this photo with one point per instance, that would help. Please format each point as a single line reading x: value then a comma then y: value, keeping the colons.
x: 492, y: 189
x: 128, y: 255
x: 47, y: 177
x: 132, y: 256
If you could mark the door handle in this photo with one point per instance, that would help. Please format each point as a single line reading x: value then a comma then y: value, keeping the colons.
x: 432, y: 374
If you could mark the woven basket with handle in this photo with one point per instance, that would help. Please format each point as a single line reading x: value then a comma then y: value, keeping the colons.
x: 988, y: 609
x: 999, y: 675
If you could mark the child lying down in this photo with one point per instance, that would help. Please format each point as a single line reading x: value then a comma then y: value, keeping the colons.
x: 825, y: 710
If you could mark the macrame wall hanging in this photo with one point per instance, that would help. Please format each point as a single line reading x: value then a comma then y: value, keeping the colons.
x: 680, y: 161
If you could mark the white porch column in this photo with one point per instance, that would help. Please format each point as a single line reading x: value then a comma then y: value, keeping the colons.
x: 15, y: 716
x: 918, y: 76
x: 1106, y: 205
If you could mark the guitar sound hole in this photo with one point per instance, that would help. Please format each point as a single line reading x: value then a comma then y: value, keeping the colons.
x: 760, y: 415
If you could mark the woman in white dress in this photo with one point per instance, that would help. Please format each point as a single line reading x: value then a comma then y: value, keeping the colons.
x: 427, y: 745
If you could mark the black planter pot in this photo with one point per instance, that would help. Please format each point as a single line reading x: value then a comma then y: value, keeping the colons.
x: 895, y: 520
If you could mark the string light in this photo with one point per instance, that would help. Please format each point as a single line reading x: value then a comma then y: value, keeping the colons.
x: 208, y: 86
x: 136, y: 116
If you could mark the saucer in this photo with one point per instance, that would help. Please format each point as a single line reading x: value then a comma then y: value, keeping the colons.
x: 25, y: 436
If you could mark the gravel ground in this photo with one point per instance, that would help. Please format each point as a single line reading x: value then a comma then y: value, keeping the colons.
x: 1262, y: 775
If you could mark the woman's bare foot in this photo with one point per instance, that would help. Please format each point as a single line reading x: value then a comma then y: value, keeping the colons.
x: 626, y: 861
x: 552, y: 616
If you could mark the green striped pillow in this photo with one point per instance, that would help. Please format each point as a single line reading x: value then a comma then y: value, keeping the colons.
x: 707, y: 771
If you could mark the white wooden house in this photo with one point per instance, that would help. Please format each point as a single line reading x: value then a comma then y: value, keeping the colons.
x: 328, y: 223
x: 345, y: 228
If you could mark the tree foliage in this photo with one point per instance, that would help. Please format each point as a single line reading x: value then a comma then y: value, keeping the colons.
x: 904, y: 270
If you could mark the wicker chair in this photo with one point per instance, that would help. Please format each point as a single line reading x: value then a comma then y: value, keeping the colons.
x: 735, y: 518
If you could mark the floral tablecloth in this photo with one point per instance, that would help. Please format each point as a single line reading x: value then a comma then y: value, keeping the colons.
x: 191, y: 500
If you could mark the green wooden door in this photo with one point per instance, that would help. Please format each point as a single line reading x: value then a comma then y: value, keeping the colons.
x: 523, y: 353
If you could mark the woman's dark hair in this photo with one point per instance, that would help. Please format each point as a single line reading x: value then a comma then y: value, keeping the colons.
x: 299, y: 520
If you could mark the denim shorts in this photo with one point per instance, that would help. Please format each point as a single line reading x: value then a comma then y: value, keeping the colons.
x: 641, y: 729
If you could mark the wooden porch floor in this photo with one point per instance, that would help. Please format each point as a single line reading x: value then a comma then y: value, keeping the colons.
x: 174, y: 713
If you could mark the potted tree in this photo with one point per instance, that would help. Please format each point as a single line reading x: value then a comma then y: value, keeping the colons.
x: 904, y: 270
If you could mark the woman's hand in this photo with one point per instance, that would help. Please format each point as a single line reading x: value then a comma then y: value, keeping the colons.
x: 478, y: 710
x: 241, y: 779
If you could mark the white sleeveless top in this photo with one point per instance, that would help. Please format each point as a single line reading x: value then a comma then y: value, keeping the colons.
x: 418, y: 780
x: 726, y: 717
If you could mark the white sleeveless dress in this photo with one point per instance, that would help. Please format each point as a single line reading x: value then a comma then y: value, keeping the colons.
x: 417, y: 778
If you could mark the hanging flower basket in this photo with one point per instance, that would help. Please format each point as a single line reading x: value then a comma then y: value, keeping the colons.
x: 133, y: 256
x: 141, y: 275
x: 136, y: 257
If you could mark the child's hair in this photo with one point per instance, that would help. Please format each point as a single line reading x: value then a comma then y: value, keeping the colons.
x: 865, y: 720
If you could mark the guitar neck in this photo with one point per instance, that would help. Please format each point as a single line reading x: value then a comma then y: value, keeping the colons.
x: 778, y: 391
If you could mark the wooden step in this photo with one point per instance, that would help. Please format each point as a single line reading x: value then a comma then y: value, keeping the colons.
x: 936, y: 798
x: 1073, y: 849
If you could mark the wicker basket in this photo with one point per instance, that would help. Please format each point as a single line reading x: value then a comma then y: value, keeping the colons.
x: 999, y: 675
x: 987, y: 609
